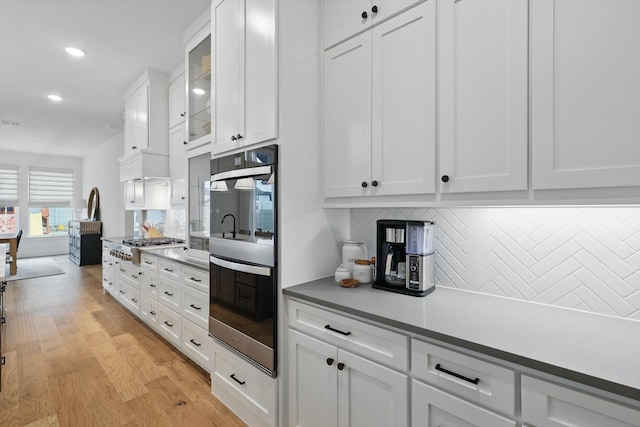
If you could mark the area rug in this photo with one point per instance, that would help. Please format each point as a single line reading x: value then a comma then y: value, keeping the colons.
x: 28, y: 268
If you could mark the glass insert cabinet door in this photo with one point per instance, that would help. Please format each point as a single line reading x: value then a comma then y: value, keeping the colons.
x: 199, y: 194
x: 199, y: 90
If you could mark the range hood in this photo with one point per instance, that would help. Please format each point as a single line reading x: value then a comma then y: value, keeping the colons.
x: 144, y: 166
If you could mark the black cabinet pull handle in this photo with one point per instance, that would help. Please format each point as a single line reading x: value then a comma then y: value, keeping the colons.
x: 364, y: 15
x: 182, y: 114
x: 152, y: 285
x: 340, y: 366
x: 195, y: 343
x: 336, y: 330
x: 153, y: 313
x: 123, y: 270
x: 364, y: 184
x: 134, y: 300
x: 374, y: 9
x: 233, y: 377
x: 445, y: 178
x: 168, y: 324
x: 122, y: 292
x: 133, y: 147
x: 168, y: 293
x: 134, y: 276
x: 374, y: 183
x: 195, y: 280
x: 329, y: 361
x: 462, y: 377
x: 193, y: 306
x: 148, y: 262
x: 168, y: 269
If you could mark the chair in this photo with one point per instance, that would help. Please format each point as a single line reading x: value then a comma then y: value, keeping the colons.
x: 18, y: 236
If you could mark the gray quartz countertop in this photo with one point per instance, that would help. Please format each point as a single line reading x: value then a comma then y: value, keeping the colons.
x: 177, y: 254
x: 597, y: 350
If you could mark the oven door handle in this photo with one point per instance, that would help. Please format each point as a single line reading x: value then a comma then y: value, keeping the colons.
x: 241, y: 173
x: 245, y: 268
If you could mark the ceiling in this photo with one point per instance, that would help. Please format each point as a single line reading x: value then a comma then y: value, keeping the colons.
x: 121, y: 38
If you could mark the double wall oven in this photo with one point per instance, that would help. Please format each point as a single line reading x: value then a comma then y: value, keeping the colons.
x: 243, y: 255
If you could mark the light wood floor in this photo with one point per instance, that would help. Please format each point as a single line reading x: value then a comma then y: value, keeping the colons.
x: 75, y: 357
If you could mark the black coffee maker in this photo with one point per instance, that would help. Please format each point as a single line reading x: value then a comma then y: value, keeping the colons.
x: 405, y: 256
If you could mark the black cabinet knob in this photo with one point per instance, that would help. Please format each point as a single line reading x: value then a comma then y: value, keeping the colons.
x: 133, y: 147
x: 364, y: 184
x: 374, y: 183
x: 374, y: 9
x: 364, y: 15
x: 184, y: 142
x: 445, y: 178
x: 238, y: 136
x: 329, y: 361
x: 182, y: 114
x: 340, y: 366
x: 233, y: 137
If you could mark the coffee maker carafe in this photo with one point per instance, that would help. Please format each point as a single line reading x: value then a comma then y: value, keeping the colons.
x: 405, y: 256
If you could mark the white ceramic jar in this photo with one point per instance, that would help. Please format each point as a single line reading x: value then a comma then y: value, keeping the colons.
x: 362, y: 270
x: 342, y: 272
x: 351, y: 251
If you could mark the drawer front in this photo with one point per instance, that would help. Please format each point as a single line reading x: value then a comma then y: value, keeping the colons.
x: 433, y: 407
x: 130, y: 297
x: 495, y: 386
x: 149, y: 262
x: 149, y: 311
x: 130, y: 272
x: 169, y: 269
x: 149, y: 285
x: 170, y: 325
x: 169, y: 294
x: 372, y: 342
x: 195, y: 306
x: 233, y: 377
x: 197, y: 344
x: 549, y: 405
x: 197, y: 279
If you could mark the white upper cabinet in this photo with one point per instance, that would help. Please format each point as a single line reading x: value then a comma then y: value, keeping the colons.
x: 483, y: 104
x: 178, y: 165
x: 177, y: 101
x: 585, y: 92
x: 345, y: 18
x: 380, y: 109
x: 146, y: 112
x: 245, y: 63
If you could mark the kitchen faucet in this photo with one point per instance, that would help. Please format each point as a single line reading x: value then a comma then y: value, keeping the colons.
x: 233, y: 235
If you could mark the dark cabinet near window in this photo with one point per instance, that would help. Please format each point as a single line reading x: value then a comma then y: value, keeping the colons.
x: 84, y: 242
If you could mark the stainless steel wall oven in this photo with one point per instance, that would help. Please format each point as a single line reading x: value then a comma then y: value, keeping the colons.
x: 243, y: 254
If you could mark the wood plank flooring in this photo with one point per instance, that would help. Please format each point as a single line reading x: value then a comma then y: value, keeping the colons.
x: 75, y: 357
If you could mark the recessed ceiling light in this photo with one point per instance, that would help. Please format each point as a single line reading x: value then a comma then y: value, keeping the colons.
x: 198, y: 91
x: 74, y: 51
x: 54, y: 97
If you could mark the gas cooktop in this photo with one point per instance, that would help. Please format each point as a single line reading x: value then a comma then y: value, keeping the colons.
x: 153, y: 241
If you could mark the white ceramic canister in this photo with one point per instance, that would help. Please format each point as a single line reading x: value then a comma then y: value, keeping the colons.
x: 351, y: 251
x: 342, y: 272
x: 362, y: 270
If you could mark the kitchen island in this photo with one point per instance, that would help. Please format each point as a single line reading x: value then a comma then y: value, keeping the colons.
x: 588, y: 353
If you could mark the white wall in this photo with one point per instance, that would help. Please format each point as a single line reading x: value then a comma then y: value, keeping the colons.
x: 39, y: 246
x: 102, y: 170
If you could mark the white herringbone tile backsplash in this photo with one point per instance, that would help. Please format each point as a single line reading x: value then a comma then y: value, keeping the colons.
x: 576, y: 257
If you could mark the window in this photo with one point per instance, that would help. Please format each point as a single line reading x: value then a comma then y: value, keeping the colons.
x: 50, y: 194
x: 8, y: 199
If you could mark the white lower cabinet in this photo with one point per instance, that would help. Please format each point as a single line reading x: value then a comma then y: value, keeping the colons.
x: 130, y: 297
x: 247, y: 391
x: 170, y: 325
x: 549, y: 405
x: 196, y: 343
x: 435, y: 408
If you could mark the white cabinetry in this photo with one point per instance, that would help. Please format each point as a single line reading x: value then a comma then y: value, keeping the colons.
x: 346, y: 18
x: 177, y: 100
x: 483, y: 110
x: 149, y: 290
x: 133, y: 194
x: 584, y: 93
x: 178, y: 165
x: 380, y: 109
x: 146, y: 110
x: 245, y: 64
x: 549, y: 405
x: 330, y: 384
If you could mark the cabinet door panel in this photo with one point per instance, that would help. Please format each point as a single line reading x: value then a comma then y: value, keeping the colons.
x: 142, y: 118
x: 483, y: 95
x: 584, y: 93
x: 347, y: 115
x: 177, y: 101
x: 312, y: 382
x: 260, y: 68
x: 226, y: 47
x: 370, y: 394
x: 432, y: 408
x: 178, y: 164
x: 404, y: 102
x: 343, y: 18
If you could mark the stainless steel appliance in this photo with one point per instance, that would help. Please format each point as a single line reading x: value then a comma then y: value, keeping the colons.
x: 129, y: 249
x: 405, y: 261
x: 242, y: 254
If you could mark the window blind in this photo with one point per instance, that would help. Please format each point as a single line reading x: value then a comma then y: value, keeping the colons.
x: 51, y: 187
x: 8, y: 185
